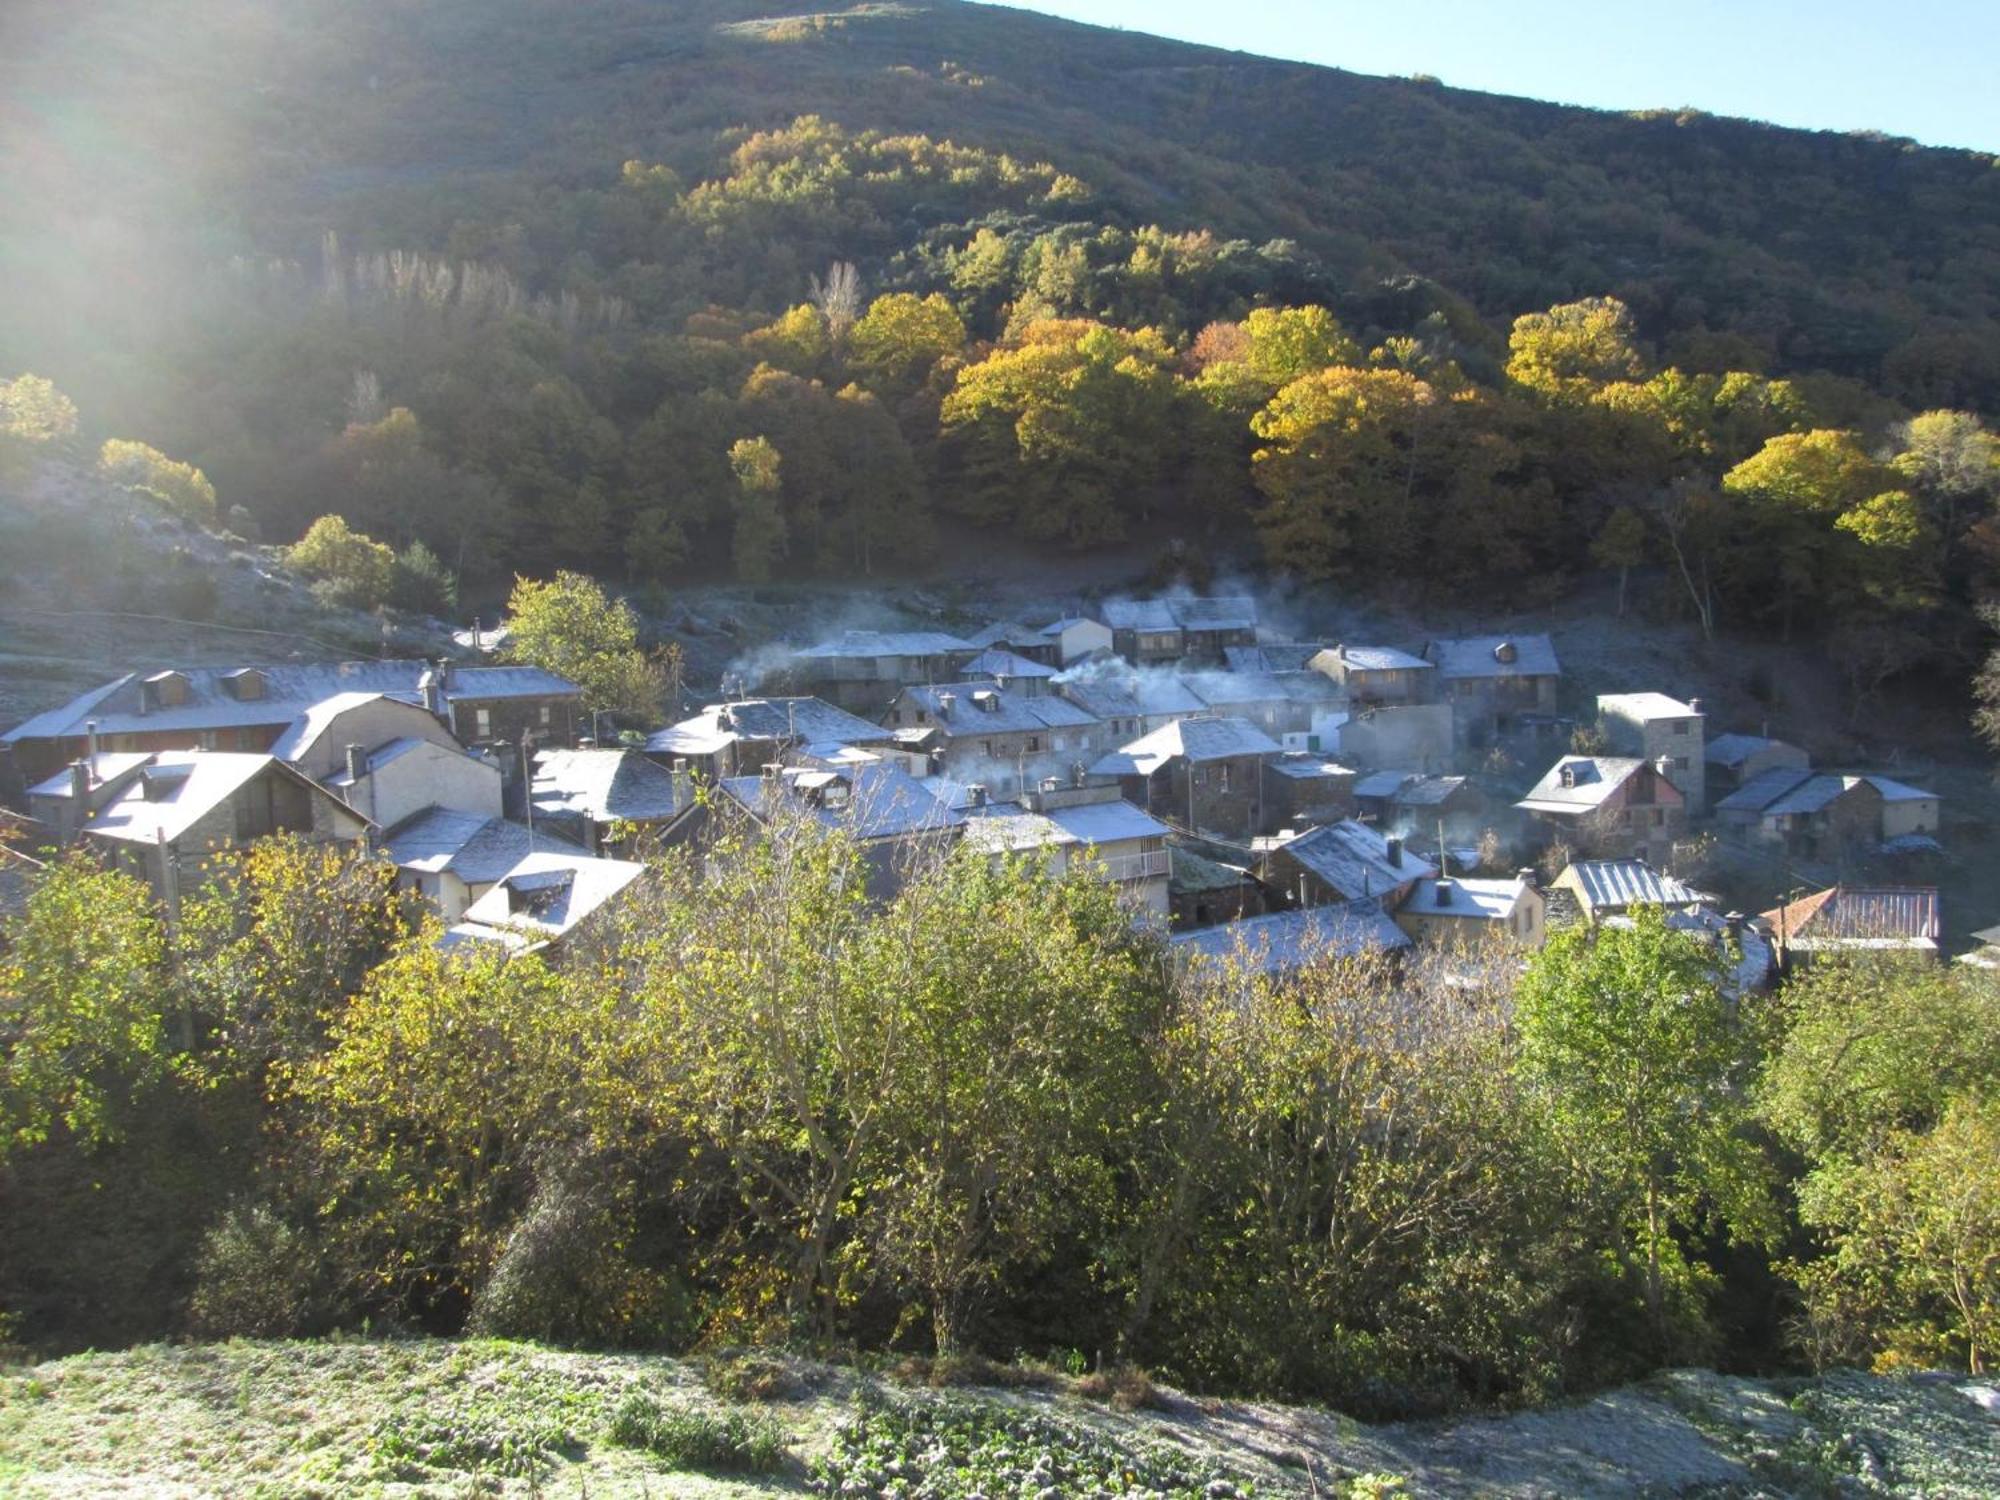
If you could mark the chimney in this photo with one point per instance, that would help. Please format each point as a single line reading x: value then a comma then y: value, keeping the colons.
x: 357, y: 763
x: 1529, y: 877
x: 90, y: 740
x: 79, y: 785
x: 1392, y: 850
x: 1733, y: 926
x: 683, y: 782
x: 1506, y: 651
x: 1443, y: 890
x: 975, y: 795
x: 946, y: 702
x: 773, y: 770
x: 1078, y: 773
x: 1695, y: 704
x: 1568, y: 775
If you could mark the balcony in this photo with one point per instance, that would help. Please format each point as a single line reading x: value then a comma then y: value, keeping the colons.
x: 1156, y: 864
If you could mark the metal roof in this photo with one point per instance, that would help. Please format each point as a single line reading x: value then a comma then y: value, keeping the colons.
x: 1614, y: 884
x: 1481, y: 656
x: 1354, y: 859
x: 1195, y: 740
x: 1288, y: 940
x: 1905, y: 914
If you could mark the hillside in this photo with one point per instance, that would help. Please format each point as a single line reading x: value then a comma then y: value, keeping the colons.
x: 438, y: 1418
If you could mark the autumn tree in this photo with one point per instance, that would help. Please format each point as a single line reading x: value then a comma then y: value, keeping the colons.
x: 1574, y: 347
x: 759, y: 537
x: 569, y: 625
x: 903, y: 336
x: 347, y: 567
x: 33, y: 414
x: 181, y: 488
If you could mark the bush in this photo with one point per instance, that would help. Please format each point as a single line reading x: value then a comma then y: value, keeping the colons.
x: 1126, y: 1387
x: 181, y: 488
x: 420, y: 583
x: 749, y: 1377
x: 258, y: 1277
x: 688, y: 1437
x: 347, y: 568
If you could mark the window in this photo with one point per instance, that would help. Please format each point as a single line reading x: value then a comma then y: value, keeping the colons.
x: 483, y: 722
x: 1056, y: 742
x: 1222, y: 776
x: 1680, y: 762
x: 545, y: 716
x: 986, y: 747
x: 1034, y: 743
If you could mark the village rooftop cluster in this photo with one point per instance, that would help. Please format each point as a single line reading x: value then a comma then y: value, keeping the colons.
x: 1267, y: 800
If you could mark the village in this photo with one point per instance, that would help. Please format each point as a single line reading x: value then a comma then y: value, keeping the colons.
x: 1264, y: 801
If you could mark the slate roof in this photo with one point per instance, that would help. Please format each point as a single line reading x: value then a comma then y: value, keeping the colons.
x: 391, y: 750
x: 719, y: 725
x: 1614, y: 884
x: 1735, y: 749
x: 1354, y: 859
x: 476, y: 849
x: 1271, y: 656
x: 290, y: 690
x: 884, y: 801
x: 1897, y: 791
x: 1055, y: 628
x: 1381, y: 785
x: 1645, y: 707
x: 105, y: 766
x: 1288, y: 940
x: 1377, y: 659
x: 1306, y: 765
x: 1226, y: 612
x: 1139, y: 614
x: 1196, y: 740
x: 605, y: 786
x: 1597, y: 777
x: 569, y: 888
x: 994, y: 662
x: 1107, y: 822
x: 1766, y: 787
x: 1429, y: 791
x: 1228, y: 689
x: 1894, y: 914
x: 1475, y: 657
x: 1004, y: 633
x: 307, y: 729
x: 862, y: 643
x: 186, y: 786
x: 1012, y: 829
x: 1483, y: 900
x: 1814, y: 794
x: 1012, y: 713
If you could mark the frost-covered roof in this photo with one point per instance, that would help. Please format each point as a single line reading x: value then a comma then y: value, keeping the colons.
x: 178, y: 788
x: 1735, y: 749
x: 289, y: 690
x: 1271, y: 656
x: 606, y: 786
x: 1374, y: 659
x: 879, y: 801
x: 1483, y: 900
x: 1614, y: 884
x: 106, y: 766
x: 720, y: 725
x: 1107, y: 822
x: 1489, y: 656
x: 1009, y: 712
x: 1012, y: 829
x: 1595, y: 778
x: 862, y: 643
x: 478, y: 850
x: 1645, y: 707
x: 1196, y: 740
x: 1139, y: 614
x: 1355, y: 859
x: 1223, y: 612
x: 543, y: 897
x: 1897, y: 791
x: 994, y: 662
x: 1288, y: 940
x: 1004, y: 633
x: 1763, y: 789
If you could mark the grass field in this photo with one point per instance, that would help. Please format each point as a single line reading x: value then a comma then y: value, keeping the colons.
x: 445, y: 1418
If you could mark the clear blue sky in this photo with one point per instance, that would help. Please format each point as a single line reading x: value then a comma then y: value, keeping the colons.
x: 1929, y: 69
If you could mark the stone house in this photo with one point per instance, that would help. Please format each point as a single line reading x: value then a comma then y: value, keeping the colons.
x: 546, y: 899
x: 1492, y: 680
x: 741, y: 737
x: 1302, y: 790
x: 1346, y: 861
x: 1006, y: 669
x: 1016, y: 639
x: 163, y: 816
x: 1613, y: 887
x: 1004, y: 739
x: 1907, y: 811
x: 1209, y: 626
x: 1144, y: 631
x: 1066, y: 825
x: 1818, y: 815
x: 1374, y: 675
x: 452, y: 857
x: 865, y: 671
x: 1073, y: 639
x: 1609, y: 807
x: 1464, y: 913
x: 1665, y: 731
x: 589, y: 796
x: 1207, y: 775
x: 1733, y: 759
x: 1417, y: 735
x: 898, y: 824
x: 250, y: 708
x: 1281, y: 943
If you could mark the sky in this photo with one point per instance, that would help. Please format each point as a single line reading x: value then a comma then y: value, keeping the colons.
x: 1927, y: 69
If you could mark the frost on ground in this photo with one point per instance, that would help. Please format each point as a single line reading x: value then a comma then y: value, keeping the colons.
x: 416, y: 1418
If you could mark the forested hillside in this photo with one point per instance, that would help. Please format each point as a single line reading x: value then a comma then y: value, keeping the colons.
x: 666, y: 290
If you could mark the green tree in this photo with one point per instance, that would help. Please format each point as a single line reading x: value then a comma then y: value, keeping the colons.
x: 759, y: 538
x: 903, y: 336
x: 1630, y: 1045
x: 1288, y: 343
x: 181, y: 488
x: 1791, y: 494
x: 1574, y: 347
x: 1620, y: 544
x: 83, y: 982
x: 348, y: 568
x: 571, y: 627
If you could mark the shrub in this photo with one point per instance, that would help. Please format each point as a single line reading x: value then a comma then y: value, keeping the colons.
x: 688, y: 1437
x: 749, y: 1377
x: 1126, y: 1387
x: 347, y: 567
x: 475, y: 1439
x: 257, y: 1277
x: 182, y: 488
x: 421, y: 584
